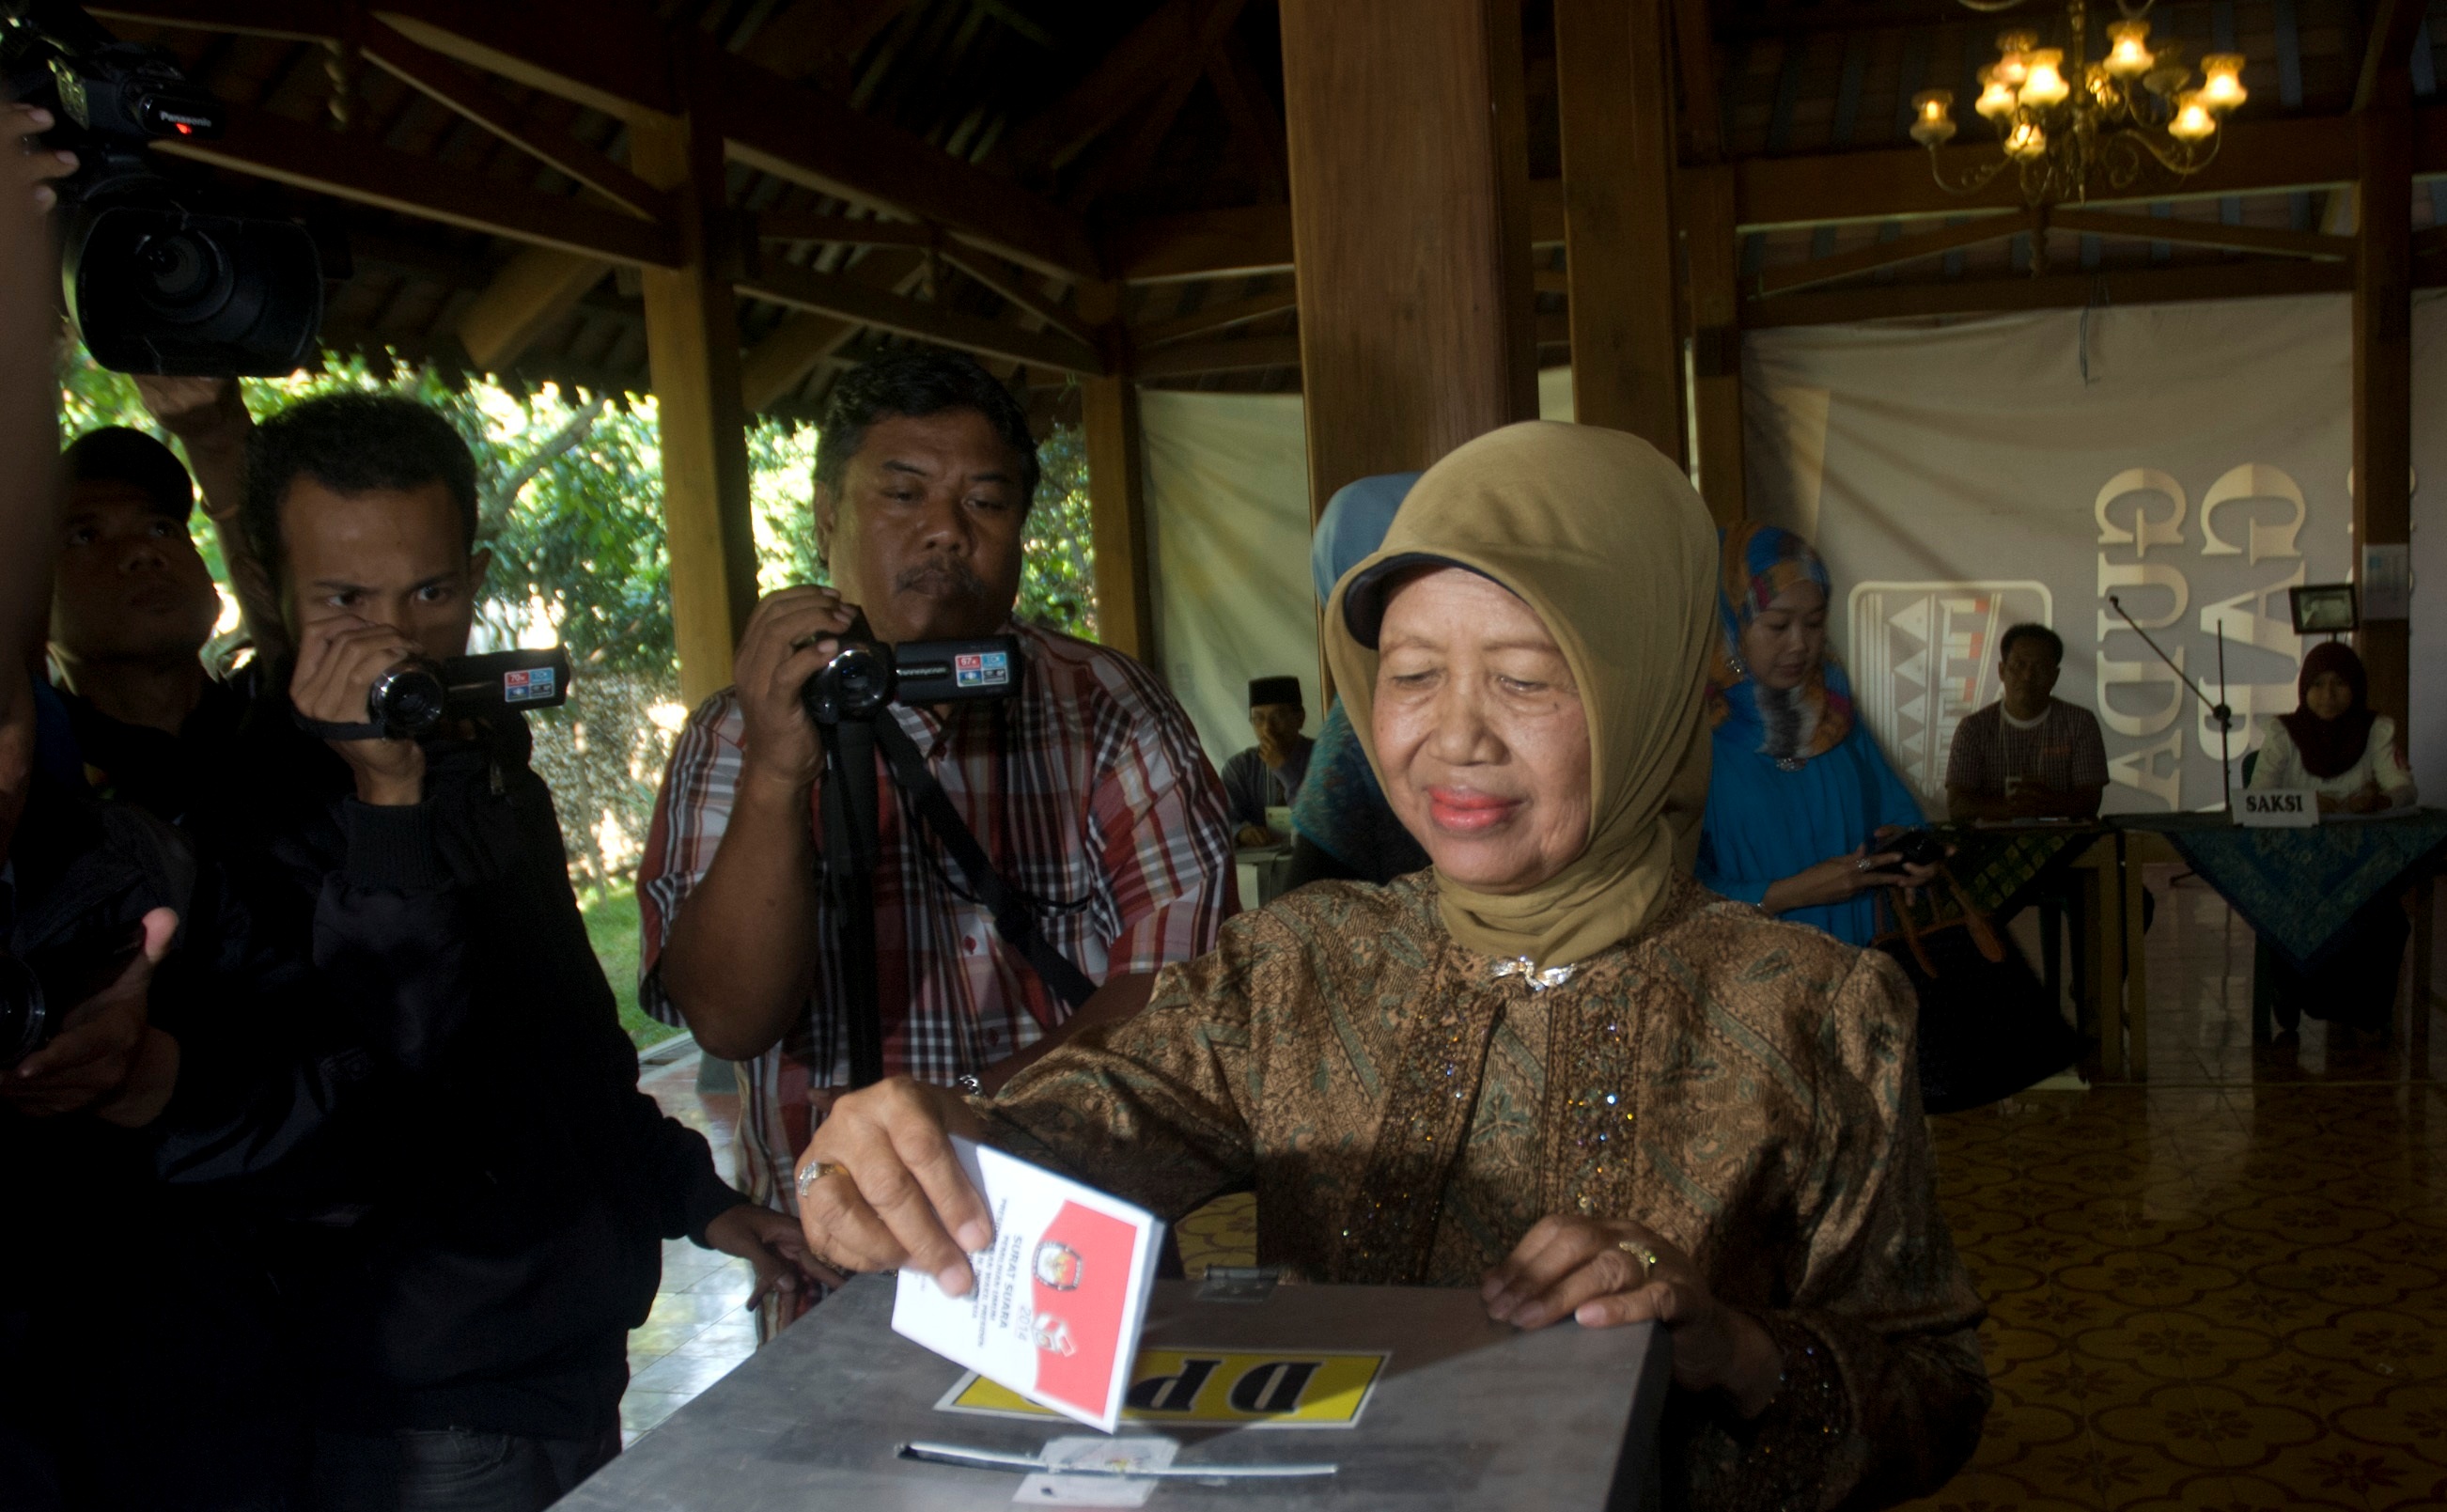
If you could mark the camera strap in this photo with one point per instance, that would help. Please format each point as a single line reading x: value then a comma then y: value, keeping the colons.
x: 1013, y: 919
x: 325, y: 729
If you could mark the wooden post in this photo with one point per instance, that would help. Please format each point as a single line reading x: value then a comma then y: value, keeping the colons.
x: 2383, y: 316
x: 692, y: 348
x: 1715, y: 339
x: 1617, y: 137
x: 1409, y: 229
x: 1116, y: 488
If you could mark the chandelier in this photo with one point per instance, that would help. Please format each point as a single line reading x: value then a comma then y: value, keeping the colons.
x: 2061, y: 124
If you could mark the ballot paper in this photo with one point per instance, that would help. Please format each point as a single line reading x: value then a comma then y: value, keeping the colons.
x: 1060, y: 1295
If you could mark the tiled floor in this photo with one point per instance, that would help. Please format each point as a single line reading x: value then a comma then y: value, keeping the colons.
x: 2219, y: 1291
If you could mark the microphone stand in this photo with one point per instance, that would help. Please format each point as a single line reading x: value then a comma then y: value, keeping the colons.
x: 2219, y: 710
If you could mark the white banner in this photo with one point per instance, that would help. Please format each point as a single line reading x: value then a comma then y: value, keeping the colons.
x: 2186, y: 460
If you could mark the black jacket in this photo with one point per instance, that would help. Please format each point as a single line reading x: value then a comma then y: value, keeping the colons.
x: 501, y: 1232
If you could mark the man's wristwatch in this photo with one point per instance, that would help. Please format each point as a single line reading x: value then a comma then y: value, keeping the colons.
x: 969, y: 1085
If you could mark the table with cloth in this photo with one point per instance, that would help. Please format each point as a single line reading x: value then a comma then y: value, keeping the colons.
x: 2003, y: 867
x: 2297, y: 888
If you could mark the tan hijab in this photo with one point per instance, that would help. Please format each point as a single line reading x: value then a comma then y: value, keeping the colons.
x: 1608, y: 542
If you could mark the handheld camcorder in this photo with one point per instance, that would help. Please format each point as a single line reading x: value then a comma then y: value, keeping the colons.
x: 28, y: 1016
x: 159, y: 280
x: 36, y: 997
x: 413, y: 699
x: 866, y: 677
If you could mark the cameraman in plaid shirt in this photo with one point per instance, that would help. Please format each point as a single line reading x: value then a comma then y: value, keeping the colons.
x: 1088, y: 790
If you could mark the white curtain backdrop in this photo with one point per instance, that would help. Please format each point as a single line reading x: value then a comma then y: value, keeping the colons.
x: 1227, y: 520
x: 2191, y: 459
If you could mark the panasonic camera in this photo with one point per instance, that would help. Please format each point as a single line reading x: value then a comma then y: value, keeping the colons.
x: 866, y: 677
x: 411, y: 699
x: 160, y: 277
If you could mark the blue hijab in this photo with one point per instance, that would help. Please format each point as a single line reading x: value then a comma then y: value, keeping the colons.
x: 1340, y: 809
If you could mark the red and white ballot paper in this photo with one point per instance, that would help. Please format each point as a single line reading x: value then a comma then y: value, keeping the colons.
x: 1060, y: 1297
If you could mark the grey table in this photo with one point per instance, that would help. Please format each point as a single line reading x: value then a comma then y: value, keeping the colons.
x: 1465, y: 1414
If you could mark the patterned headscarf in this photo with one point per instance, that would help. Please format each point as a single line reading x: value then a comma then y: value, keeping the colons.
x: 1758, y: 564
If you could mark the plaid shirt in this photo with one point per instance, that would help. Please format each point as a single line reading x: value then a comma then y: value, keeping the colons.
x: 2063, y: 754
x: 1090, y: 793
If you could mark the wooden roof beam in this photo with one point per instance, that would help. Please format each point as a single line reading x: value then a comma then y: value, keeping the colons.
x: 1978, y: 232
x: 611, y: 55
x: 1214, y: 317
x: 2284, y: 243
x: 832, y: 295
x: 439, y: 79
x: 284, y: 20
x: 1247, y: 240
x: 1177, y: 38
x: 808, y: 138
x: 305, y: 157
x: 848, y: 231
x: 533, y: 289
x: 1013, y: 286
x: 2393, y: 24
x: 1191, y: 358
x: 774, y: 365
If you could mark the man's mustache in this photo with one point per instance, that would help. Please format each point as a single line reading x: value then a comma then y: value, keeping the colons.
x: 959, y: 574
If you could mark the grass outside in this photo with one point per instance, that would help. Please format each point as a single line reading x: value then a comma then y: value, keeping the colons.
x: 612, y: 926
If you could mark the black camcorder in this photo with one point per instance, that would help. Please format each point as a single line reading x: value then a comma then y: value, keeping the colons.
x: 865, y: 675
x: 413, y: 699
x: 28, y: 1016
x: 159, y: 280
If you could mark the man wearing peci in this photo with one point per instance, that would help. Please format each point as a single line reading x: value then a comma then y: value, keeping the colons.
x: 2029, y: 755
x: 1088, y: 790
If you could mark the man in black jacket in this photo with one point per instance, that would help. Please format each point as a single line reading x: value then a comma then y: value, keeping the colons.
x: 467, y: 1323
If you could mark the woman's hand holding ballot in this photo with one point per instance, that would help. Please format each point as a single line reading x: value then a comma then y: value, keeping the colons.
x: 880, y: 1190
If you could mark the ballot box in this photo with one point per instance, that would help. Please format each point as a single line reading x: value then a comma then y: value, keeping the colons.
x: 1416, y: 1398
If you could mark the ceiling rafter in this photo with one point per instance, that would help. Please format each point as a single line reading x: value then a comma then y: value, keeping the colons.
x: 1177, y: 37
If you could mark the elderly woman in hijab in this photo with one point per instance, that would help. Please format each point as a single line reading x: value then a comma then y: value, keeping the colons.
x: 1552, y: 1068
x: 1800, y: 791
x: 2336, y: 746
x: 1342, y: 828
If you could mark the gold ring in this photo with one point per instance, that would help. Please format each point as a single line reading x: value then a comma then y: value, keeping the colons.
x: 1646, y: 1256
x: 809, y: 1175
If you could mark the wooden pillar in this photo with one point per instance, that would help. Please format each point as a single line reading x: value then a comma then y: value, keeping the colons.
x: 1409, y: 229
x: 692, y: 348
x: 1618, y: 135
x: 2383, y: 316
x: 1715, y: 338
x: 1117, y: 488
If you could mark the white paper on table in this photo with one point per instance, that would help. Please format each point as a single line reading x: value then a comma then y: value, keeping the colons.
x: 1053, y: 1488
x: 1060, y: 1296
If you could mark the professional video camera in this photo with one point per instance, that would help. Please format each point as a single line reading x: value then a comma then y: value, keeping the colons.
x: 414, y: 697
x: 157, y: 280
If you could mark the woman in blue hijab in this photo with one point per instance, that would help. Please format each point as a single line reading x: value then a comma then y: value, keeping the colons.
x: 1799, y: 788
x: 1342, y: 826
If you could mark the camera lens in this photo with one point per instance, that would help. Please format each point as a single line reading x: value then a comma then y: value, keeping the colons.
x: 180, y: 276
x: 407, y: 700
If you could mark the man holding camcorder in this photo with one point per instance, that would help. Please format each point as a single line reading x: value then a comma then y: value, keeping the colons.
x: 467, y: 1325
x: 1085, y: 789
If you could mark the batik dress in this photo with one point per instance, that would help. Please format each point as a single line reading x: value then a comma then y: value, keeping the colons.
x: 1407, y: 1108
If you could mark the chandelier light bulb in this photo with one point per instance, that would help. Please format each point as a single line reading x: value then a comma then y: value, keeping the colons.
x: 2013, y: 64
x: 2128, y: 56
x: 2223, y: 90
x: 2028, y: 140
x: 2045, y: 85
x: 2193, y: 122
x: 1933, y: 117
x: 1996, y: 97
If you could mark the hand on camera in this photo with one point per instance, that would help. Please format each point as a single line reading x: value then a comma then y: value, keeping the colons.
x: 199, y: 412
x: 36, y: 164
x: 789, y: 638
x: 337, y: 671
x: 107, y: 1056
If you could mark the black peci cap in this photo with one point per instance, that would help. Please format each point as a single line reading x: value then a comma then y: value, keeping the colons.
x: 1263, y: 691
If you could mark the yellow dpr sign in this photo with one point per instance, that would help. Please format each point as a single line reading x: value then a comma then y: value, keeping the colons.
x: 1312, y: 1389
